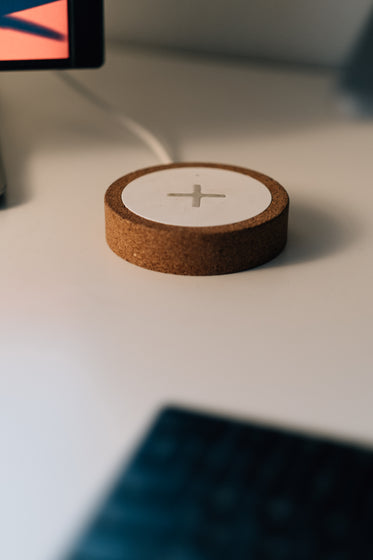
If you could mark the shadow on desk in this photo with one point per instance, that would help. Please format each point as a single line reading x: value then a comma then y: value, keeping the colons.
x: 15, y: 194
x: 315, y: 233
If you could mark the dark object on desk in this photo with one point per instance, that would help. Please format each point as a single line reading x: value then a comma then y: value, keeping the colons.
x: 205, y: 488
x: 357, y: 77
x: 2, y: 182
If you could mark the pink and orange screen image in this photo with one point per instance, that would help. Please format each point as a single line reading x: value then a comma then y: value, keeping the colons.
x: 34, y: 30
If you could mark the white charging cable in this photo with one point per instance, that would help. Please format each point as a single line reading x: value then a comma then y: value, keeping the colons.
x: 134, y: 127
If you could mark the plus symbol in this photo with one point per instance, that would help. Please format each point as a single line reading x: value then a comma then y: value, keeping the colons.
x: 197, y: 195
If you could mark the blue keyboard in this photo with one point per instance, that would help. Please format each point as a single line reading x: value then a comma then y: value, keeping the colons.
x: 206, y: 488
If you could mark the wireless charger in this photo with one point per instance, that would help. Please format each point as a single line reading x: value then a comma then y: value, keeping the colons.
x: 196, y: 218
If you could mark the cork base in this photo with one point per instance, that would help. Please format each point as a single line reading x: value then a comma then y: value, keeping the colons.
x: 196, y: 251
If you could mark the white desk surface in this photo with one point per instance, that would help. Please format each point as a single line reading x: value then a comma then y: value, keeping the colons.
x: 92, y: 347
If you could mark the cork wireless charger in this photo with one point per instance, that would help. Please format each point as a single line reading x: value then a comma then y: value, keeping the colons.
x: 196, y: 218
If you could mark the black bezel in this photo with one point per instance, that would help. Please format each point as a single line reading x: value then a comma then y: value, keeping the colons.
x: 86, y: 40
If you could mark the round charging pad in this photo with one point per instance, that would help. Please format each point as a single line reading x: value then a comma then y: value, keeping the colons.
x: 196, y: 218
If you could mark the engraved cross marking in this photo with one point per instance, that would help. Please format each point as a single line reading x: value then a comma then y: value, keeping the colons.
x: 197, y: 195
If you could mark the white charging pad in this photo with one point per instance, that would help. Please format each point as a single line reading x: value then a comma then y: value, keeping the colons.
x: 196, y: 218
x: 196, y: 196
